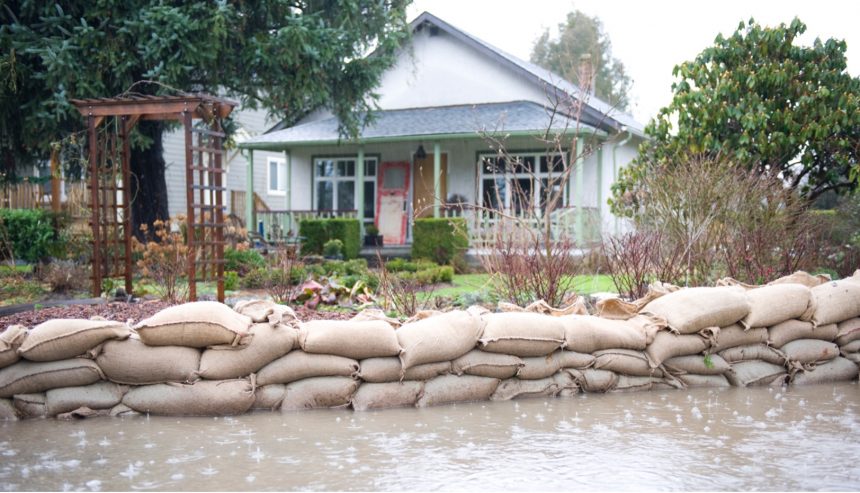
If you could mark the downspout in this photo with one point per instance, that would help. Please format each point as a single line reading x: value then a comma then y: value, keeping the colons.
x: 615, y: 164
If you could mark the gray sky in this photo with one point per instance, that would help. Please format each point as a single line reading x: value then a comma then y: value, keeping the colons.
x: 649, y: 37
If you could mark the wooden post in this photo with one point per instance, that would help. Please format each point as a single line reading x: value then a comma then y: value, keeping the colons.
x: 126, y: 199
x: 94, y: 194
x: 219, y: 212
x: 55, y: 179
x: 189, y: 197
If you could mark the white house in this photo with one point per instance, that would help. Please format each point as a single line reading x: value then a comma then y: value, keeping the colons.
x: 428, y: 144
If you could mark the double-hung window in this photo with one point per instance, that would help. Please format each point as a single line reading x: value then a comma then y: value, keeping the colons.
x: 522, y: 181
x: 277, y: 176
x: 335, y: 184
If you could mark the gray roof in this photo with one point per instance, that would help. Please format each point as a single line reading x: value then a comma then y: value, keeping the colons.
x: 512, y: 118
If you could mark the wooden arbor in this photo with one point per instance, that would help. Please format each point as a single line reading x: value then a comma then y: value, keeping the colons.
x: 110, y: 181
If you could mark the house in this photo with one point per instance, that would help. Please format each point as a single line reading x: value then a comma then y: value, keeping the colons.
x: 447, y: 93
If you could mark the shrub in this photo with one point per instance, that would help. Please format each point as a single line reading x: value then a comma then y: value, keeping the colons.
x: 231, y: 280
x: 442, y: 240
x: 242, y: 261
x: 638, y: 258
x: 285, y: 276
x: 316, y: 232
x: 27, y: 234
x: 333, y: 249
x: 64, y: 276
x: 164, y: 260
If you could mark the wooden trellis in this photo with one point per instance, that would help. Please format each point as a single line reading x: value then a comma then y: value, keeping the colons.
x: 110, y: 181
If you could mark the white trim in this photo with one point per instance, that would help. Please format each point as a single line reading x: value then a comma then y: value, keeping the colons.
x: 336, y: 180
x: 281, y: 166
x: 536, y: 174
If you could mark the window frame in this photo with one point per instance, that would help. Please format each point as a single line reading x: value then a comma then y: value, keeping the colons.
x: 537, y: 176
x: 338, y: 180
x: 280, y: 166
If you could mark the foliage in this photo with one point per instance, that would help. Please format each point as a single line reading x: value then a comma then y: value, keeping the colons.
x: 242, y: 260
x: 28, y: 233
x: 371, y: 230
x: 839, y: 231
x: 318, y: 231
x: 403, y: 293
x: 333, y: 248
x: 442, y: 240
x: 583, y: 35
x: 164, y: 260
x: 231, y: 280
x: 765, y: 102
x: 284, y: 276
x: 637, y: 258
x: 64, y: 276
x: 17, y: 288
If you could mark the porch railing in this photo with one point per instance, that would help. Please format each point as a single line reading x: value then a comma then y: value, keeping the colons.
x: 283, y: 226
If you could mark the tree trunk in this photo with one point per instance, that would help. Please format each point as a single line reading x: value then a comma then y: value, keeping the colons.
x: 148, y: 186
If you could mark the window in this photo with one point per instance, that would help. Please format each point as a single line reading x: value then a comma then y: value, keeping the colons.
x: 277, y: 176
x: 335, y: 181
x: 523, y: 181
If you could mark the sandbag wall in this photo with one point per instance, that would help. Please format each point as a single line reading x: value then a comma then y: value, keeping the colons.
x: 207, y: 359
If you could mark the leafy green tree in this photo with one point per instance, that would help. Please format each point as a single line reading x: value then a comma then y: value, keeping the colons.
x: 285, y: 56
x: 583, y: 35
x: 766, y: 103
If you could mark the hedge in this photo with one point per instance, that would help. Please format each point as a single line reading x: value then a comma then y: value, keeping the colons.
x: 442, y: 240
x: 315, y: 232
x: 29, y: 232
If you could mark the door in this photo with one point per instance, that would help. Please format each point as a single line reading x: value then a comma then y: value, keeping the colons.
x: 422, y: 190
x: 392, y: 190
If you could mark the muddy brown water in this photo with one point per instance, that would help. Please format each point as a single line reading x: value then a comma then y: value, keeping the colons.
x: 805, y: 438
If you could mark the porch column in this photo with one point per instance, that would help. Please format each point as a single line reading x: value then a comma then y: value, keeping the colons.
x: 289, y: 194
x: 600, y: 187
x: 578, y: 169
x: 249, y: 193
x: 359, y: 188
x: 437, y: 180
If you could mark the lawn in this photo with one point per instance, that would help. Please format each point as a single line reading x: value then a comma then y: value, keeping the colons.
x: 464, y: 284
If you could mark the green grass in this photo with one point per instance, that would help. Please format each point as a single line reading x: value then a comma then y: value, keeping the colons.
x: 468, y: 284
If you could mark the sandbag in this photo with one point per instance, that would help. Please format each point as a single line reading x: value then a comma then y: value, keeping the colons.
x: 770, y: 305
x: 203, y: 398
x: 356, y: 340
x: 10, y: 340
x: 133, y: 362
x: 631, y: 383
x: 383, y: 370
x: 713, y: 364
x: 852, y: 357
x: 625, y: 362
x: 807, y: 351
x: 60, y: 339
x: 568, y: 385
x: 452, y: 388
x: 297, y: 365
x: 804, y: 278
x: 851, y: 347
x: 587, y: 334
x: 319, y: 393
x: 756, y: 373
x: 122, y: 411
x: 836, y: 301
x: 267, y: 311
x: 100, y: 395
x: 268, y: 343
x: 539, y: 367
x: 269, y: 397
x: 484, y: 364
x: 848, y: 331
x: 386, y: 395
x: 521, y: 334
x: 573, y: 359
x: 735, y: 335
x: 198, y: 324
x: 27, y: 377
x: 693, y: 380
x: 836, y: 370
x: 7, y: 410
x: 514, y: 388
x: 668, y: 345
x: 752, y: 352
x: 692, y: 309
x: 596, y: 381
x: 443, y: 337
x: 82, y: 413
x: 791, y: 330
x: 30, y: 406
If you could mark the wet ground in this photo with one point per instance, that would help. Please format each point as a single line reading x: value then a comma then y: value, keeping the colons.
x: 805, y: 438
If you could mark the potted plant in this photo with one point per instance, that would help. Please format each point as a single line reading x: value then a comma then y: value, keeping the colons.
x: 333, y: 250
x: 372, y: 238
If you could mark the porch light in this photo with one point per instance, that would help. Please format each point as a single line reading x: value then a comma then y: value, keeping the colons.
x: 420, y: 153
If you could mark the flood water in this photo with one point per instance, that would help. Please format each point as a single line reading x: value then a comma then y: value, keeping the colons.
x: 805, y: 438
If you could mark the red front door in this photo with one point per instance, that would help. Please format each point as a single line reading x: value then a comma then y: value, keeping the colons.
x: 392, y: 190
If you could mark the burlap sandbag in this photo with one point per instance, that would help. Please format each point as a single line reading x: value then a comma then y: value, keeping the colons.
x: 836, y: 370
x: 852, y: 357
x: 369, y: 314
x: 443, y: 337
x: 587, y: 334
x: 7, y: 410
x: 770, y: 305
x: 690, y: 310
x: 807, y: 351
x: 60, y: 339
x: 804, y: 278
x: 356, y: 340
x: 298, y: 365
x: 692, y: 380
x: 836, y: 301
x: 453, y: 388
x: 27, y: 377
x: 735, y: 335
x: 756, y: 373
x: 521, y: 334
x: 133, y: 362
x: 752, y: 352
x: 319, y: 393
x: 10, y: 340
x: 100, y: 395
x: 568, y: 386
x: 122, y: 411
x: 387, y: 395
x: 384, y: 370
x: 30, y: 406
x: 791, y: 330
x: 713, y: 364
x: 851, y: 347
x: 595, y: 381
x: 484, y: 364
x: 203, y: 398
x: 632, y: 383
x: 269, y: 397
x: 668, y: 345
x: 573, y: 359
x: 268, y: 343
x: 847, y: 331
x: 514, y: 388
x: 199, y: 324
x: 267, y: 311
x: 539, y: 367
x: 625, y: 362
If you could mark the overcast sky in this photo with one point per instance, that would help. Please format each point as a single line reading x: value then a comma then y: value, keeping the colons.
x: 649, y: 37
